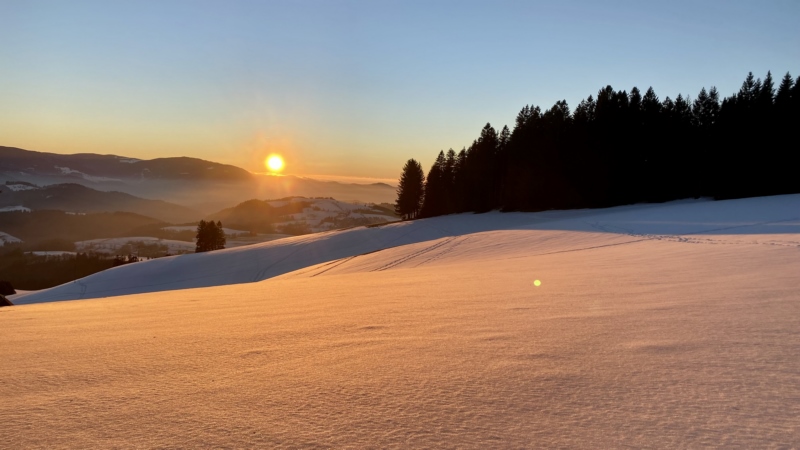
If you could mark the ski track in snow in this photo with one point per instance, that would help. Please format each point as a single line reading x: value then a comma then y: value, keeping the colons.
x: 397, y: 262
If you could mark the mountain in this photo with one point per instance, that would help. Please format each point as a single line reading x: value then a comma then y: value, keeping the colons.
x: 77, y: 198
x: 90, y: 167
x: 196, y: 183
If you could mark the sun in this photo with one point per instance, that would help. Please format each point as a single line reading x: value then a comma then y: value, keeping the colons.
x: 274, y: 163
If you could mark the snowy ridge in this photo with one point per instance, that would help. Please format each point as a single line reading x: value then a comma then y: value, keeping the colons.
x: 775, y: 219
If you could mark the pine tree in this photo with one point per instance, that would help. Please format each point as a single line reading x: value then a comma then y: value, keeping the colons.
x: 219, y: 237
x: 784, y: 95
x: 435, y: 188
x: 210, y: 236
x: 410, y: 190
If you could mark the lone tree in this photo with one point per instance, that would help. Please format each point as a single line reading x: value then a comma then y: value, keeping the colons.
x: 410, y: 190
x: 210, y: 236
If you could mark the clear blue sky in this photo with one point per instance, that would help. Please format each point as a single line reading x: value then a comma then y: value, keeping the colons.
x: 351, y: 88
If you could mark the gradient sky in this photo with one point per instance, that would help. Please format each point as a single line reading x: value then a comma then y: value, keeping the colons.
x: 351, y: 88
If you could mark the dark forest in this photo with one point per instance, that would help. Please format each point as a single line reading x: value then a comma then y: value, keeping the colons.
x: 620, y: 148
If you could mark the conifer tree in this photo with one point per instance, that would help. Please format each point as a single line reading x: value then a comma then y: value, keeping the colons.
x: 210, y: 236
x: 410, y: 190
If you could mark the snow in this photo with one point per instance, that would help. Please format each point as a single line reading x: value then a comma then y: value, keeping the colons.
x: 20, y: 187
x: 321, y: 209
x: 14, y: 208
x: 695, y: 221
x: 87, y: 177
x: 7, y: 238
x: 228, y: 231
x: 19, y: 294
x: 52, y: 253
x: 669, y: 326
x: 112, y: 246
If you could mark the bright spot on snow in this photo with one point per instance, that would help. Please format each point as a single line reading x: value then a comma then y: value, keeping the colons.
x: 274, y: 163
x: 537, y: 283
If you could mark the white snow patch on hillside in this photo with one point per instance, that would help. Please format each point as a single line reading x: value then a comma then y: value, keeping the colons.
x: 21, y: 187
x: 14, y: 208
x: 228, y: 231
x: 52, y: 253
x: 111, y: 246
x: 685, y: 221
x: 7, y: 238
x: 87, y: 177
x: 325, y: 214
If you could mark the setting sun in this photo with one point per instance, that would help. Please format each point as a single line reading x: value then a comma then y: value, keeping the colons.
x: 274, y: 163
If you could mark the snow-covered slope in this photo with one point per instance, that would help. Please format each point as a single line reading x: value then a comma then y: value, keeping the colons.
x: 654, y: 326
x: 695, y: 221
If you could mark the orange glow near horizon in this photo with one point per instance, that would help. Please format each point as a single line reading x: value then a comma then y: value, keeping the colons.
x: 274, y: 163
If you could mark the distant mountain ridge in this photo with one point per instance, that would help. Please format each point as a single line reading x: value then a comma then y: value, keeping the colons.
x: 77, y: 198
x: 95, y: 167
x: 192, y: 182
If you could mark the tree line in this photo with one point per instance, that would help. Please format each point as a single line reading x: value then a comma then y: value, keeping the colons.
x: 619, y: 148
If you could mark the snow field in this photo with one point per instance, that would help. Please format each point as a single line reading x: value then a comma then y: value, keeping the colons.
x: 628, y: 342
x: 668, y: 326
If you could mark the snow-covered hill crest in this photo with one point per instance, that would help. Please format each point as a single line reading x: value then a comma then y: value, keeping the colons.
x: 766, y: 221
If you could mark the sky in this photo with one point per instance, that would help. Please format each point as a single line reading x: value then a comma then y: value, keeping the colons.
x: 351, y: 89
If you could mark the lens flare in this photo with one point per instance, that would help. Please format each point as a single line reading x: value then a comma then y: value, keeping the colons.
x: 274, y: 163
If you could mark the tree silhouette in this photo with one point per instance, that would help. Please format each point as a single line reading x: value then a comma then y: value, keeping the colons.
x: 410, y: 190
x: 210, y: 236
x: 619, y: 148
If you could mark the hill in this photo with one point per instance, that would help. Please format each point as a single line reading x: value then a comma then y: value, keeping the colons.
x: 671, y: 325
x: 58, y: 225
x: 77, y: 198
x: 301, y: 215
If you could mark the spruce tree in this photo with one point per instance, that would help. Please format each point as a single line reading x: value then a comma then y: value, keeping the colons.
x: 210, y: 236
x: 410, y: 190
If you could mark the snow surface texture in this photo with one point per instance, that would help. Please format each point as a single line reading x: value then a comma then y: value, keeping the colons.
x: 667, y: 326
x: 767, y: 220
